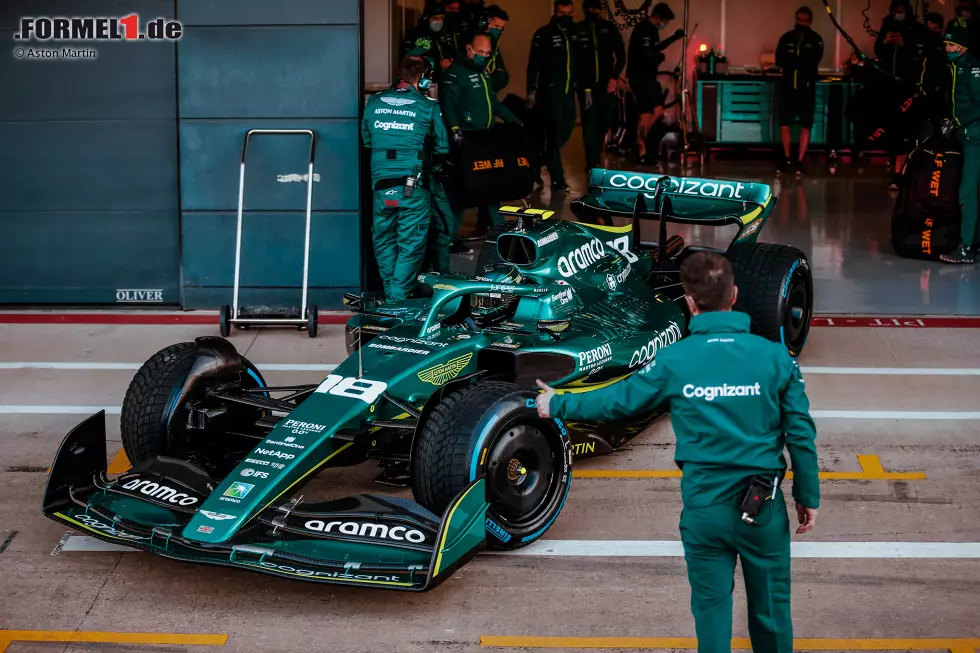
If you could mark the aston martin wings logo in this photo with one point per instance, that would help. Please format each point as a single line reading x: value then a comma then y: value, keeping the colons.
x: 445, y: 371
x: 397, y: 101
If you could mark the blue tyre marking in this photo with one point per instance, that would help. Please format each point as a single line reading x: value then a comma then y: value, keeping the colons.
x: 551, y: 521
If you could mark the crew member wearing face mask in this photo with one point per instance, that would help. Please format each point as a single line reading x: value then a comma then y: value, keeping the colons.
x: 469, y: 103
x: 645, y: 56
x: 897, y: 49
x: 470, y: 12
x: 431, y: 38
x: 798, y: 56
x: 897, y: 43
x: 496, y: 21
x: 551, y: 75
x: 967, y: 10
x: 454, y: 25
x: 399, y: 153
x: 966, y: 116
x: 602, y: 57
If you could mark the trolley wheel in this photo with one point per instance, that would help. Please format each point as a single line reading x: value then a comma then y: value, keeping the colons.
x: 312, y: 317
x: 224, y: 321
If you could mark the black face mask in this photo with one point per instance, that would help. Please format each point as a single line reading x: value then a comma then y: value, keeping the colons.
x: 592, y: 17
x: 802, y: 28
x: 564, y: 22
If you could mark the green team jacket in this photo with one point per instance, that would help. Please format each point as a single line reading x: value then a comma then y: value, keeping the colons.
x: 468, y: 99
x: 966, y: 96
x: 397, y: 127
x: 551, y: 65
x: 602, y: 54
x: 499, y: 77
x: 736, y: 401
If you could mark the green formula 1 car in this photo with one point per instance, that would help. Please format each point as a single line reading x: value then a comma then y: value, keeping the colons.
x: 438, y: 390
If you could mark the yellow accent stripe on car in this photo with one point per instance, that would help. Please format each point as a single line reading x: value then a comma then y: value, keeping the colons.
x: 94, y: 530
x: 311, y: 470
x: 573, y: 389
x: 610, y: 228
x: 752, y: 215
x: 445, y: 532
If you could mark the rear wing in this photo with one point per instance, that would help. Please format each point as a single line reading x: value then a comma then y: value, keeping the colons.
x: 690, y: 200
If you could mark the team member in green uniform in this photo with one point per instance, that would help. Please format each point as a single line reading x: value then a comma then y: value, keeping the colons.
x: 645, y: 56
x: 496, y: 21
x: 736, y: 401
x: 601, y: 62
x: 469, y: 103
x: 431, y: 39
x: 397, y: 122
x: 966, y: 114
x: 551, y: 75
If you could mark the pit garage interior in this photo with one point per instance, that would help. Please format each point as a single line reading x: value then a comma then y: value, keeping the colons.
x: 119, y: 184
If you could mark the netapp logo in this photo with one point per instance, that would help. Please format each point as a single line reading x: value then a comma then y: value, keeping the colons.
x: 398, y: 126
x: 648, y: 352
x: 274, y: 454
x: 381, y: 531
x: 139, y: 296
x: 696, y: 187
x: 710, y: 393
x: 583, y: 257
x: 161, y: 492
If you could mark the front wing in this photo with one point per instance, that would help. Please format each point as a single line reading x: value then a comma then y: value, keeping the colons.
x: 367, y: 540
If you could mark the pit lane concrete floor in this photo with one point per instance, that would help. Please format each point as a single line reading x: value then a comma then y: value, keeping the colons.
x: 594, y: 595
x: 841, y: 222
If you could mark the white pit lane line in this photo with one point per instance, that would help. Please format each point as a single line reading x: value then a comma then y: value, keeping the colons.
x: 665, y: 549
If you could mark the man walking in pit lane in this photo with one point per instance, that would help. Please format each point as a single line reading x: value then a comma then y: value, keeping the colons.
x: 397, y: 123
x: 736, y: 401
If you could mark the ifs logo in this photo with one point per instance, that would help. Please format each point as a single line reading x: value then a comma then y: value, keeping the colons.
x: 58, y: 28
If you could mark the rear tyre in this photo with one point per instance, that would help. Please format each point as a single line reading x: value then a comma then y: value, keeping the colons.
x: 775, y: 287
x: 492, y: 429
x: 224, y: 321
x: 152, y: 398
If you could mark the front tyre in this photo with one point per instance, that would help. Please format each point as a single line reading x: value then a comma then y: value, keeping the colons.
x: 493, y: 429
x: 775, y: 287
x: 152, y: 398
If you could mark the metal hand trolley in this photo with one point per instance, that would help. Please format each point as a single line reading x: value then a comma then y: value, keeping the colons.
x: 231, y: 315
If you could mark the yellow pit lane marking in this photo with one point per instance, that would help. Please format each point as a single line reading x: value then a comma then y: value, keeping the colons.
x: 871, y: 470
x: 739, y: 643
x: 7, y: 637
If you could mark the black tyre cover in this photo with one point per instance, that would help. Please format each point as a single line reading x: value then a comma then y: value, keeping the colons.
x: 926, y: 218
x: 493, y: 166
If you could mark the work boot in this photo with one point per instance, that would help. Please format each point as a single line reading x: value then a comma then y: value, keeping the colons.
x: 459, y: 248
x: 799, y: 169
x: 895, y: 183
x: 785, y: 166
x: 560, y: 186
x: 962, y: 255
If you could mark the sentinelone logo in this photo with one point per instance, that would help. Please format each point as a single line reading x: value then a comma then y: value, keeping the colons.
x: 47, y: 29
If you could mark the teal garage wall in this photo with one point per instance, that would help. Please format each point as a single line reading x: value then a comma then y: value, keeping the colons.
x: 88, y: 165
x: 252, y: 64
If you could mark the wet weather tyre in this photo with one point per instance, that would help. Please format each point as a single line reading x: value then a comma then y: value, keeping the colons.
x: 151, y: 398
x: 775, y: 288
x: 224, y: 321
x: 492, y: 429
